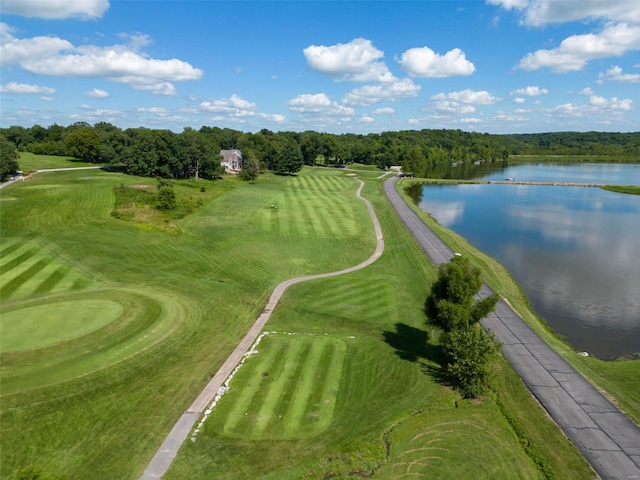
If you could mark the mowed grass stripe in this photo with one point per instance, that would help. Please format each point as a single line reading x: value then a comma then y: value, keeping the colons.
x: 289, y: 394
x: 10, y: 287
x: 51, y: 281
x: 319, y: 411
x: 294, y: 210
x: 309, y: 214
x: 326, y: 203
x: 9, y: 249
x: 246, y: 423
x: 293, y: 417
x: 247, y: 391
x: 16, y: 261
x: 29, y: 287
x: 283, y: 386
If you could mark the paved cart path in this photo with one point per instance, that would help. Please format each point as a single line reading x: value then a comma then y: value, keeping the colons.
x: 606, y: 437
x: 163, y: 458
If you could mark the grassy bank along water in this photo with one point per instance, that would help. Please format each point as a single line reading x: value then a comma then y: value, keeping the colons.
x: 617, y: 379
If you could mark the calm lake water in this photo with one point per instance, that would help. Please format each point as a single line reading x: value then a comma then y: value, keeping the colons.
x: 574, y: 250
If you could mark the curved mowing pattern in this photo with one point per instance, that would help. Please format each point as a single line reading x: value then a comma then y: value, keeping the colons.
x: 26, y: 269
x: 432, y: 449
x: 288, y: 390
x: 318, y: 206
x: 134, y: 322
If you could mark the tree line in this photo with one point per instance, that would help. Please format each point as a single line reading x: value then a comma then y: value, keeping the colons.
x: 195, y: 153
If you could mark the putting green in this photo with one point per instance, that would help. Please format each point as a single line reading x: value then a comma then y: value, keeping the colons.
x: 288, y: 390
x: 52, y: 339
x: 40, y: 326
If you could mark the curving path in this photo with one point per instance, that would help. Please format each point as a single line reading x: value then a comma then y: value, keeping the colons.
x: 169, y: 449
x: 606, y: 437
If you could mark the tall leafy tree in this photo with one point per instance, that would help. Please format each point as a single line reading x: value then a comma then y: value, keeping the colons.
x: 289, y: 159
x: 415, y: 162
x: 250, y: 166
x: 83, y: 142
x: 8, y: 158
x: 452, y: 307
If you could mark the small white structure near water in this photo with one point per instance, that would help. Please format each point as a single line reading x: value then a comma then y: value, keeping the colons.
x: 231, y: 160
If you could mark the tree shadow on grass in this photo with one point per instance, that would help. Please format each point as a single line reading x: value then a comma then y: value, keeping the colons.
x: 412, y: 344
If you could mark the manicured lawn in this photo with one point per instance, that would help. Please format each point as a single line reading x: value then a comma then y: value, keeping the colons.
x: 30, y: 162
x: 32, y: 328
x: 97, y: 401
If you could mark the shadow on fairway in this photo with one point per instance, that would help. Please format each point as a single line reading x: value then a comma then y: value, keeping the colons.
x: 412, y: 344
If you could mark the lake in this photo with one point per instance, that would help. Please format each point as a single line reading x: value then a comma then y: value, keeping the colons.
x: 574, y: 250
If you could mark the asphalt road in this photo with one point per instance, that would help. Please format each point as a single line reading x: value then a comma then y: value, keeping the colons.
x: 606, y: 437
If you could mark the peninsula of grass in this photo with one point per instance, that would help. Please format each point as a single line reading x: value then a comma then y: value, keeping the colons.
x: 97, y: 400
x: 628, y: 189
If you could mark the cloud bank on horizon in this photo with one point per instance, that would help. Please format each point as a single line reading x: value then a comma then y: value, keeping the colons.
x: 297, y: 66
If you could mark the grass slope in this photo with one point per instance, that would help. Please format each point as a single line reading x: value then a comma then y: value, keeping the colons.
x: 99, y: 404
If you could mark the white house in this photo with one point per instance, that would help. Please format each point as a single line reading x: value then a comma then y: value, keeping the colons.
x: 231, y: 160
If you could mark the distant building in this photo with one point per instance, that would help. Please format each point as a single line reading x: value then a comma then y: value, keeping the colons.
x: 231, y: 160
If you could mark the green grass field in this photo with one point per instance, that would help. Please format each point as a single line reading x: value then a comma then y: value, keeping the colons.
x: 96, y: 397
x: 286, y: 392
x: 30, y: 162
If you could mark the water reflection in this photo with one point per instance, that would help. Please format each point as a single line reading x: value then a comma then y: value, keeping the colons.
x: 573, y: 250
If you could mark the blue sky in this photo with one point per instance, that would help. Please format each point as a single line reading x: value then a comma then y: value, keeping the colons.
x: 496, y: 66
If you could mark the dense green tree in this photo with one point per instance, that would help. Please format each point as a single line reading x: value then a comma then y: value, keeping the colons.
x: 8, y: 158
x: 472, y: 352
x: 451, y: 301
x: 451, y: 307
x: 200, y: 154
x: 83, y: 142
x: 289, y: 159
x: 415, y: 162
x: 250, y: 166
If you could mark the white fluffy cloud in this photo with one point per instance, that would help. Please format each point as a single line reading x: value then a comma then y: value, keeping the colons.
x: 53, y: 56
x: 384, y: 111
x: 318, y: 103
x: 574, y: 52
x: 424, y: 62
x: 530, y: 91
x: 13, y: 87
x: 596, y: 106
x: 619, y: 30
x: 234, y: 106
x: 462, y: 102
x: 97, y: 93
x: 614, y: 74
x: 56, y: 9
x: 372, y: 94
x: 355, y: 61
x: 14, y: 50
x: 537, y: 13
